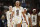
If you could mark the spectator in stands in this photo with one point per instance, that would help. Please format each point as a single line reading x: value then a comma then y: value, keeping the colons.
x: 3, y: 21
x: 0, y: 13
x: 0, y: 22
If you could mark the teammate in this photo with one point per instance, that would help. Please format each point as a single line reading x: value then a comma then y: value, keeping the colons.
x: 27, y: 19
x: 34, y: 18
x: 8, y: 15
x: 16, y: 14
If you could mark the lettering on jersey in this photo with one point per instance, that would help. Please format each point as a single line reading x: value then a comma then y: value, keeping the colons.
x: 33, y: 18
x: 17, y: 12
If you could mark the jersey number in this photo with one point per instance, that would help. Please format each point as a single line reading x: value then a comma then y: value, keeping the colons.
x: 33, y: 19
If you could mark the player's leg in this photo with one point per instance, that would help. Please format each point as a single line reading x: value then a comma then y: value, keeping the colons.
x: 19, y: 25
x: 14, y: 22
x: 8, y: 23
x: 24, y: 25
x: 14, y: 25
x: 18, y: 22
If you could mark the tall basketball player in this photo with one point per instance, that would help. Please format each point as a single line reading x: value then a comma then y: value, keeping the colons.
x: 34, y: 18
x: 17, y: 13
x: 8, y: 15
x: 27, y: 19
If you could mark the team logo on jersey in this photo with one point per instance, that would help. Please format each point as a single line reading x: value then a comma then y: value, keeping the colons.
x: 17, y: 12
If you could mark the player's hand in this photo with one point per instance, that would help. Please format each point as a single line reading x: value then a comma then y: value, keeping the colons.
x: 26, y: 23
x: 10, y: 19
x: 31, y: 25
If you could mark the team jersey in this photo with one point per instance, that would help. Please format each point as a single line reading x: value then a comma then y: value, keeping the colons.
x: 17, y: 13
x: 34, y: 19
x: 8, y: 15
x: 27, y: 18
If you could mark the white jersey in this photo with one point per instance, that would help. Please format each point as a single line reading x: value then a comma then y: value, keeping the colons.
x: 17, y: 13
x: 8, y: 15
x: 34, y: 19
x: 27, y: 18
x: 24, y: 22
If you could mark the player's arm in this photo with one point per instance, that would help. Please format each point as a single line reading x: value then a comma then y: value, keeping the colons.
x: 7, y: 15
x: 25, y: 18
x: 30, y: 20
x: 12, y: 12
x: 12, y: 17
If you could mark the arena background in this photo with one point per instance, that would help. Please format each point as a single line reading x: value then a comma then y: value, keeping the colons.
x: 29, y: 4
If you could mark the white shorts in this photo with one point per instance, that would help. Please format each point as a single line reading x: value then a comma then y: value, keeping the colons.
x: 34, y: 23
x: 16, y: 20
x: 8, y: 23
x: 24, y: 25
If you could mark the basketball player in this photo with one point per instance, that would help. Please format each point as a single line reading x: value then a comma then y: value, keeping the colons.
x: 27, y: 18
x: 17, y: 13
x: 8, y: 14
x: 34, y: 18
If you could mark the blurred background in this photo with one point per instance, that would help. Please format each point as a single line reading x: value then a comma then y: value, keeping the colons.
x: 29, y: 4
